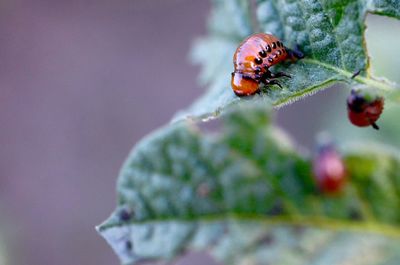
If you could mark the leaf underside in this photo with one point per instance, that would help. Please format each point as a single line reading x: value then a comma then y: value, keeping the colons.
x: 253, y: 242
x: 181, y: 181
x: 329, y: 32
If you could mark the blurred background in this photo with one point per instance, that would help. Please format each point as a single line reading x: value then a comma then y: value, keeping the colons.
x: 80, y: 83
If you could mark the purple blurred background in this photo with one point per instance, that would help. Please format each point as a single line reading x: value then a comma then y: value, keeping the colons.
x: 81, y: 82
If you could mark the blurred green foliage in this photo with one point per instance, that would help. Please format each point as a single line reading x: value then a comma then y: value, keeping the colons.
x: 179, y: 179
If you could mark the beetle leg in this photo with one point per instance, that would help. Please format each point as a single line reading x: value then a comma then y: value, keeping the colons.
x: 272, y: 82
x: 356, y: 73
x: 376, y: 127
x: 279, y: 74
x: 258, y: 77
x: 269, y: 75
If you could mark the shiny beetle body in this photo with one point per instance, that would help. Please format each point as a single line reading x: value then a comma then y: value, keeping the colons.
x: 252, y: 60
x: 329, y: 170
x: 364, y: 112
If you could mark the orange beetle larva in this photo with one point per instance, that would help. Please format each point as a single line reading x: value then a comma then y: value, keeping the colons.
x: 252, y: 60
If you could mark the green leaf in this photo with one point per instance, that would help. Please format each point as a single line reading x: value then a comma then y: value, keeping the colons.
x: 244, y: 187
x: 253, y: 242
x: 329, y: 32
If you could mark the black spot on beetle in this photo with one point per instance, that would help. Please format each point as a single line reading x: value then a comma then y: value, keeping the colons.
x: 247, y: 77
x: 270, y: 60
x: 273, y: 45
x: 355, y: 102
x: 263, y: 54
x: 268, y: 48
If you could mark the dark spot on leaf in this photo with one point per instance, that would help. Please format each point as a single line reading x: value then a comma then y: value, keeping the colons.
x: 128, y: 245
x: 355, y: 215
x: 276, y: 209
x: 266, y: 240
x: 125, y: 215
